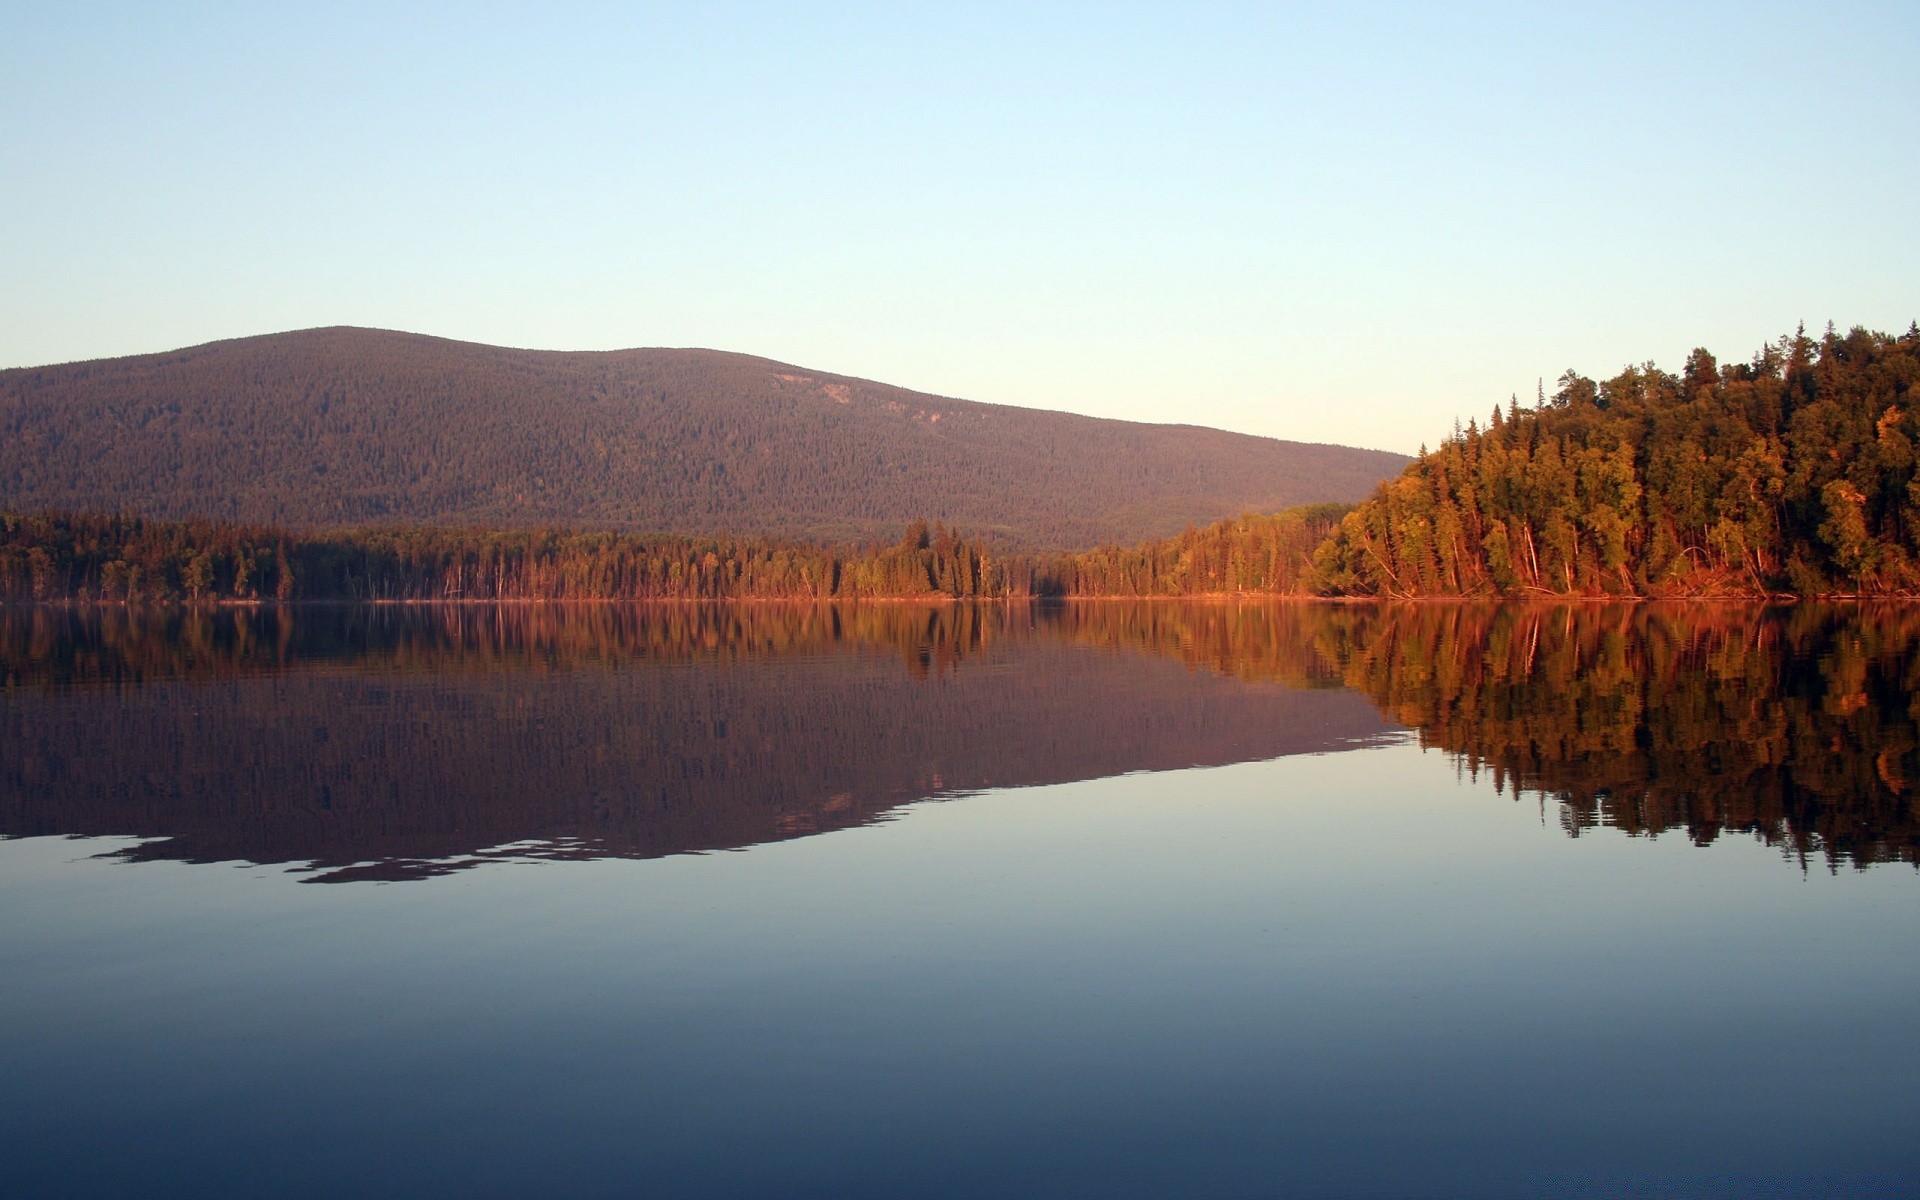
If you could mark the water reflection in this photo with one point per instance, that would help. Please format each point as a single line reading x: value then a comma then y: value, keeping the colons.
x: 1346, y: 974
x: 1795, y: 724
x: 399, y: 742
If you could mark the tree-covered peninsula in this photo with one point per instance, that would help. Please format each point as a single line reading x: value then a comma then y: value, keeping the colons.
x: 1791, y: 473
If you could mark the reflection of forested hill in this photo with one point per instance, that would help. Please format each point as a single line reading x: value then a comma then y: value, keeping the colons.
x: 404, y: 737
x: 1799, y: 725
x: 409, y: 741
x: 332, y: 427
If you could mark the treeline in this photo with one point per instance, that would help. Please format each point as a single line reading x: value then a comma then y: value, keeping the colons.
x: 1255, y: 554
x: 108, y: 558
x: 57, y: 557
x: 1792, y: 473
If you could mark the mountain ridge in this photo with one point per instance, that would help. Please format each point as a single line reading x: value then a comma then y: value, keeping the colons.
x: 339, y: 426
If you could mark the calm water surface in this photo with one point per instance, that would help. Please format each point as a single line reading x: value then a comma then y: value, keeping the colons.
x: 1083, y: 901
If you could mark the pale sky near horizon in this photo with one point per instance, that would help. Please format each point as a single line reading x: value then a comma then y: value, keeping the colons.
x: 1332, y: 223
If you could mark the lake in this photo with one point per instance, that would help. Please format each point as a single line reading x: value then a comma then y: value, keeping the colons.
x: 1076, y: 900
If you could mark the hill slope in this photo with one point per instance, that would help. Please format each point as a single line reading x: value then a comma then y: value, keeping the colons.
x: 342, y: 426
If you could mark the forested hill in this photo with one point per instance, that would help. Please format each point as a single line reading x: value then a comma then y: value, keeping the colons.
x: 1793, y: 472
x: 338, y: 427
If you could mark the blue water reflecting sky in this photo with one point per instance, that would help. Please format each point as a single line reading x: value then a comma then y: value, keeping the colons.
x: 1350, y: 973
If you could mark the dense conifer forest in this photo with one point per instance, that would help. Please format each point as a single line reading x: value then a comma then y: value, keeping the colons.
x: 339, y: 428
x: 1793, y: 472
x: 1249, y: 555
x: 55, y: 557
x: 52, y: 557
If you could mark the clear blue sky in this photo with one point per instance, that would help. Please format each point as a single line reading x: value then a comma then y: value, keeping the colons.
x: 1324, y: 222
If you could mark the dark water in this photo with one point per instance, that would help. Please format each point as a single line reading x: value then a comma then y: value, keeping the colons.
x: 1103, y: 900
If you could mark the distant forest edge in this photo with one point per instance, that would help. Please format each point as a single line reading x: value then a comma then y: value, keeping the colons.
x: 56, y: 557
x: 1793, y: 473
x: 328, y: 429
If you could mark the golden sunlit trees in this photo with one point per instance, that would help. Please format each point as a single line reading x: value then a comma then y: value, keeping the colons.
x: 1794, y: 472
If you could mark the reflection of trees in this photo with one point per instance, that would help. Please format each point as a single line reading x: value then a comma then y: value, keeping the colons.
x: 1248, y: 641
x: 132, y: 645
x: 404, y: 741
x: 1795, y: 724
x: 111, y: 644
x: 1799, y: 725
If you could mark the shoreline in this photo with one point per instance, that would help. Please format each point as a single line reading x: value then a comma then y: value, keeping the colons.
x: 939, y: 601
